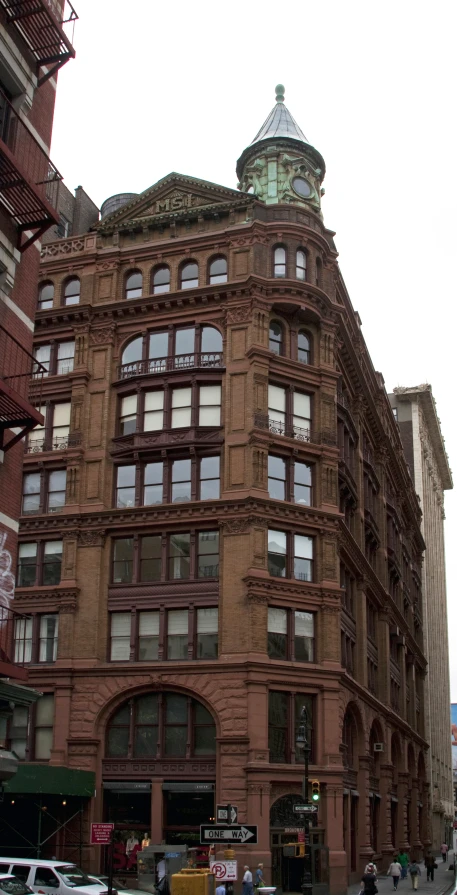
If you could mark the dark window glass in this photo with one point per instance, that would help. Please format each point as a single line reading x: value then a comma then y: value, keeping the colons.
x: 118, y: 733
x: 72, y: 292
x: 125, y: 492
x: 275, y: 342
x: 277, y: 633
x: 179, y: 556
x: 123, y: 560
x: 300, y: 700
x: 151, y: 558
x: 208, y: 554
x: 218, y: 271
x: 134, y: 285
x: 280, y: 262
x: 46, y: 296
x: 189, y: 276
x: 153, y: 484
x: 277, y: 726
x: 276, y: 477
x: 302, y: 483
x: 52, y: 562
x: 300, y: 265
x: 21, y: 871
x: 277, y: 542
x: 204, y: 731
x: 161, y: 281
x: 180, y: 480
x: 27, y: 565
x: 147, y: 725
x: 175, y: 725
x: 303, y: 348
x: 209, y: 478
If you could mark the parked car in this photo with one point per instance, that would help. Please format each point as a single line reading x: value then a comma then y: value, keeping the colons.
x: 50, y: 877
x: 11, y: 885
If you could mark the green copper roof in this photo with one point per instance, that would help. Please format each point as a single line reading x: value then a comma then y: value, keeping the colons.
x: 280, y: 122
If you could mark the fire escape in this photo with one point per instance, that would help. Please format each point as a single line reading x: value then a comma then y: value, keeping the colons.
x: 17, y: 369
x: 40, y: 24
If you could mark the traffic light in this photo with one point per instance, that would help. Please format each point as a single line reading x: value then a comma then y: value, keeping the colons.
x: 315, y: 790
x: 300, y: 850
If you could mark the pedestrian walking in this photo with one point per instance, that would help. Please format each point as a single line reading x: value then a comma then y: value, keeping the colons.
x: 221, y: 889
x: 415, y: 873
x: 395, y: 871
x: 247, y: 887
x: 259, y: 881
x: 430, y: 866
x: 368, y: 882
x: 403, y: 859
x: 444, y: 850
x: 370, y: 864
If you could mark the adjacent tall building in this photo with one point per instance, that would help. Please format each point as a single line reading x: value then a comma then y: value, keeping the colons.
x: 220, y: 529
x: 420, y: 431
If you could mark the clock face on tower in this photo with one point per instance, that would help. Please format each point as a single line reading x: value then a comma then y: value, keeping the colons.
x: 301, y: 187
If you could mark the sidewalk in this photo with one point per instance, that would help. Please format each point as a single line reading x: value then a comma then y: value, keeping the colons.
x: 444, y: 880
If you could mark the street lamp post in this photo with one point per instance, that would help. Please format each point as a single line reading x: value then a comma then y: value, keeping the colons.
x: 302, y: 742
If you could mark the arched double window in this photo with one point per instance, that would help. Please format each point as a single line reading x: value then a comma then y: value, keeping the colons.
x: 161, y: 725
x: 303, y: 347
x: 161, y: 280
x: 218, y: 270
x: 168, y: 349
x: 276, y: 337
x: 189, y: 275
x: 45, y: 296
x: 134, y: 284
x: 300, y: 264
x: 72, y: 291
x: 279, y: 261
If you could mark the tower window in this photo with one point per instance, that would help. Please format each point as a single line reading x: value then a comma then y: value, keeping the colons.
x: 218, y: 271
x: 276, y: 337
x: 303, y: 348
x: 300, y: 264
x: 161, y: 280
x: 280, y: 262
x: 134, y: 285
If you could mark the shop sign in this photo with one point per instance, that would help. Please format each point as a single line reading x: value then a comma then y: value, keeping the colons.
x: 100, y: 834
x: 294, y: 830
x: 188, y: 787
x: 224, y: 871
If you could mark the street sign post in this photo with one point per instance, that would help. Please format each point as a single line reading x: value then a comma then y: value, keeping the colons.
x: 100, y: 834
x: 306, y: 809
x: 226, y: 814
x: 224, y: 871
x: 239, y: 833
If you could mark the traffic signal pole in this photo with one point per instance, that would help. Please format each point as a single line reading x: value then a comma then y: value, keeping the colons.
x: 307, y: 886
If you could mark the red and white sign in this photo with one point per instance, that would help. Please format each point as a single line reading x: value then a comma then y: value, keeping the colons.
x: 224, y: 871
x: 100, y: 834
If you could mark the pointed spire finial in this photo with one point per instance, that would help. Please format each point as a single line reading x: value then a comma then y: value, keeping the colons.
x: 280, y: 90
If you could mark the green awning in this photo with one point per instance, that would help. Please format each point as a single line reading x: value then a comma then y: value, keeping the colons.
x: 51, y: 780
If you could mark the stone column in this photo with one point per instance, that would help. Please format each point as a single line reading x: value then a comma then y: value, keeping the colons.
x: 156, y: 811
x: 416, y: 843
x: 363, y: 787
x: 259, y: 813
x: 361, y: 671
x: 334, y: 823
x: 403, y: 787
x: 385, y: 820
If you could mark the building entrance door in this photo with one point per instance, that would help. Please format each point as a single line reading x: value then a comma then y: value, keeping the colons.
x: 130, y: 812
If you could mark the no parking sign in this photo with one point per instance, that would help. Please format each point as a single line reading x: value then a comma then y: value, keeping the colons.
x: 224, y: 871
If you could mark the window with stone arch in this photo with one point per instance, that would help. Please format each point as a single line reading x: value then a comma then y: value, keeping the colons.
x: 218, y: 270
x: 45, y: 295
x: 304, y: 347
x: 300, y: 264
x: 161, y: 279
x: 72, y: 291
x: 276, y: 337
x: 349, y: 740
x: 279, y: 261
x: 161, y: 725
x: 189, y: 275
x: 134, y: 284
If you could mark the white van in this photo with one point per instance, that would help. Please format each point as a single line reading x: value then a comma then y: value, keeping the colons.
x: 52, y: 877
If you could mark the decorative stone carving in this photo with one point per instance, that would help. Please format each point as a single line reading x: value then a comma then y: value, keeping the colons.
x: 239, y: 314
x: 102, y: 335
x: 92, y: 538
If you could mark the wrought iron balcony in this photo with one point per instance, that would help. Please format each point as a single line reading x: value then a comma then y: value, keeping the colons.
x: 29, y: 182
x: 41, y: 25
x: 17, y: 366
x: 39, y: 443
x: 160, y: 365
x: 279, y: 427
x: 14, y: 644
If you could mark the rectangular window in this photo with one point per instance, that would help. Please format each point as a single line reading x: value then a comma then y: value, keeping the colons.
x: 302, y: 483
x: 44, y: 727
x: 153, y: 484
x: 120, y: 636
x: 57, y: 486
x: 65, y: 357
x: 125, y: 488
x: 207, y: 633
x: 52, y: 562
x: 181, y: 481
x: 304, y: 636
x: 123, y: 561
x: 153, y: 411
x: 23, y: 632
x: 127, y: 420
x: 276, y: 478
x: 277, y: 550
x: 18, y: 731
x: 210, y: 478
x: 208, y: 554
x: 303, y: 558
x: 177, y: 634
x: 181, y: 400
x: 49, y: 629
x: 27, y: 565
x: 31, y: 487
x: 179, y: 556
x: 42, y: 354
x: 61, y: 426
x: 210, y: 405
x: 184, y: 347
x: 148, y: 636
x: 36, y: 438
x: 176, y: 712
x: 302, y: 413
x: 277, y: 633
x: 151, y: 558
x: 278, y: 739
x: 286, y: 732
x: 277, y: 406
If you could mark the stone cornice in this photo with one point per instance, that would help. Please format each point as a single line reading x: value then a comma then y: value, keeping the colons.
x: 57, y: 599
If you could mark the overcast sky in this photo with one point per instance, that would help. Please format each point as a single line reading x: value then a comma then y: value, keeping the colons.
x: 178, y: 86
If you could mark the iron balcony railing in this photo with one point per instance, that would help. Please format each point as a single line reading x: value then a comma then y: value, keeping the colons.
x: 165, y: 364
x: 279, y: 427
x: 14, y: 643
x: 29, y: 182
x: 43, y: 25
x: 17, y: 366
x: 36, y: 445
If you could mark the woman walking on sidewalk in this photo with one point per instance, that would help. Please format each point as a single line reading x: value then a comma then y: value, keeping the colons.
x: 369, y: 880
x: 395, y: 871
x: 415, y: 873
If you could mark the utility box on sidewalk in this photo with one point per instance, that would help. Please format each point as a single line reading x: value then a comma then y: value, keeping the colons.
x: 193, y: 881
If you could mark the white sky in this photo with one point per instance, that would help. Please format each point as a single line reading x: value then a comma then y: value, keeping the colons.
x: 159, y: 87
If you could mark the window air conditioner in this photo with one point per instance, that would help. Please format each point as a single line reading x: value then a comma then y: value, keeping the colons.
x: 378, y: 747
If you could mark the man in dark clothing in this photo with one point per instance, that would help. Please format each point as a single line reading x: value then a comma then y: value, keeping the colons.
x: 369, y: 880
x: 429, y: 862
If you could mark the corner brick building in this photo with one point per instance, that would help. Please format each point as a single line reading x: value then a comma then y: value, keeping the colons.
x: 240, y: 536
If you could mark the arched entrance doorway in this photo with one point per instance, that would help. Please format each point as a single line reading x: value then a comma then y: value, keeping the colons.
x: 287, y: 831
x: 352, y: 738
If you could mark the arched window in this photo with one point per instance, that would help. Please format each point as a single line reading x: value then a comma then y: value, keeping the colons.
x: 161, y: 280
x: 131, y: 357
x: 349, y: 740
x: 45, y: 296
x: 276, y: 337
x: 218, y: 270
x: 300, y: 264
x: 211, y: 347
x: 318, y: 272
x: 303, y: 347
x: 279, y: 268
x: 189, y: 275
x: 72, y: 291
x: 133, y: 730
x: 134, y: 285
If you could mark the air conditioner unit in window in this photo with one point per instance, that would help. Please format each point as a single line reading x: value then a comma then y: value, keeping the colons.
x: 378, y: 747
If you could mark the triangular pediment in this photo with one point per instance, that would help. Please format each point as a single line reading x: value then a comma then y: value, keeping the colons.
x: 174, y: 194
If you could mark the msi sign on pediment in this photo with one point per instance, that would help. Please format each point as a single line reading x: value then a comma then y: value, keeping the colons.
x: 175, y: 201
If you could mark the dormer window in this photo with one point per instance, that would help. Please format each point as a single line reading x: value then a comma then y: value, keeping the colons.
x: 280, y: 262
x: 189, y: 275
x: 134, y: 285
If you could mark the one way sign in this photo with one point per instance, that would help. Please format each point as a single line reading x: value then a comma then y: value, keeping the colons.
x: 240, y: 833
x: 226, y: 814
